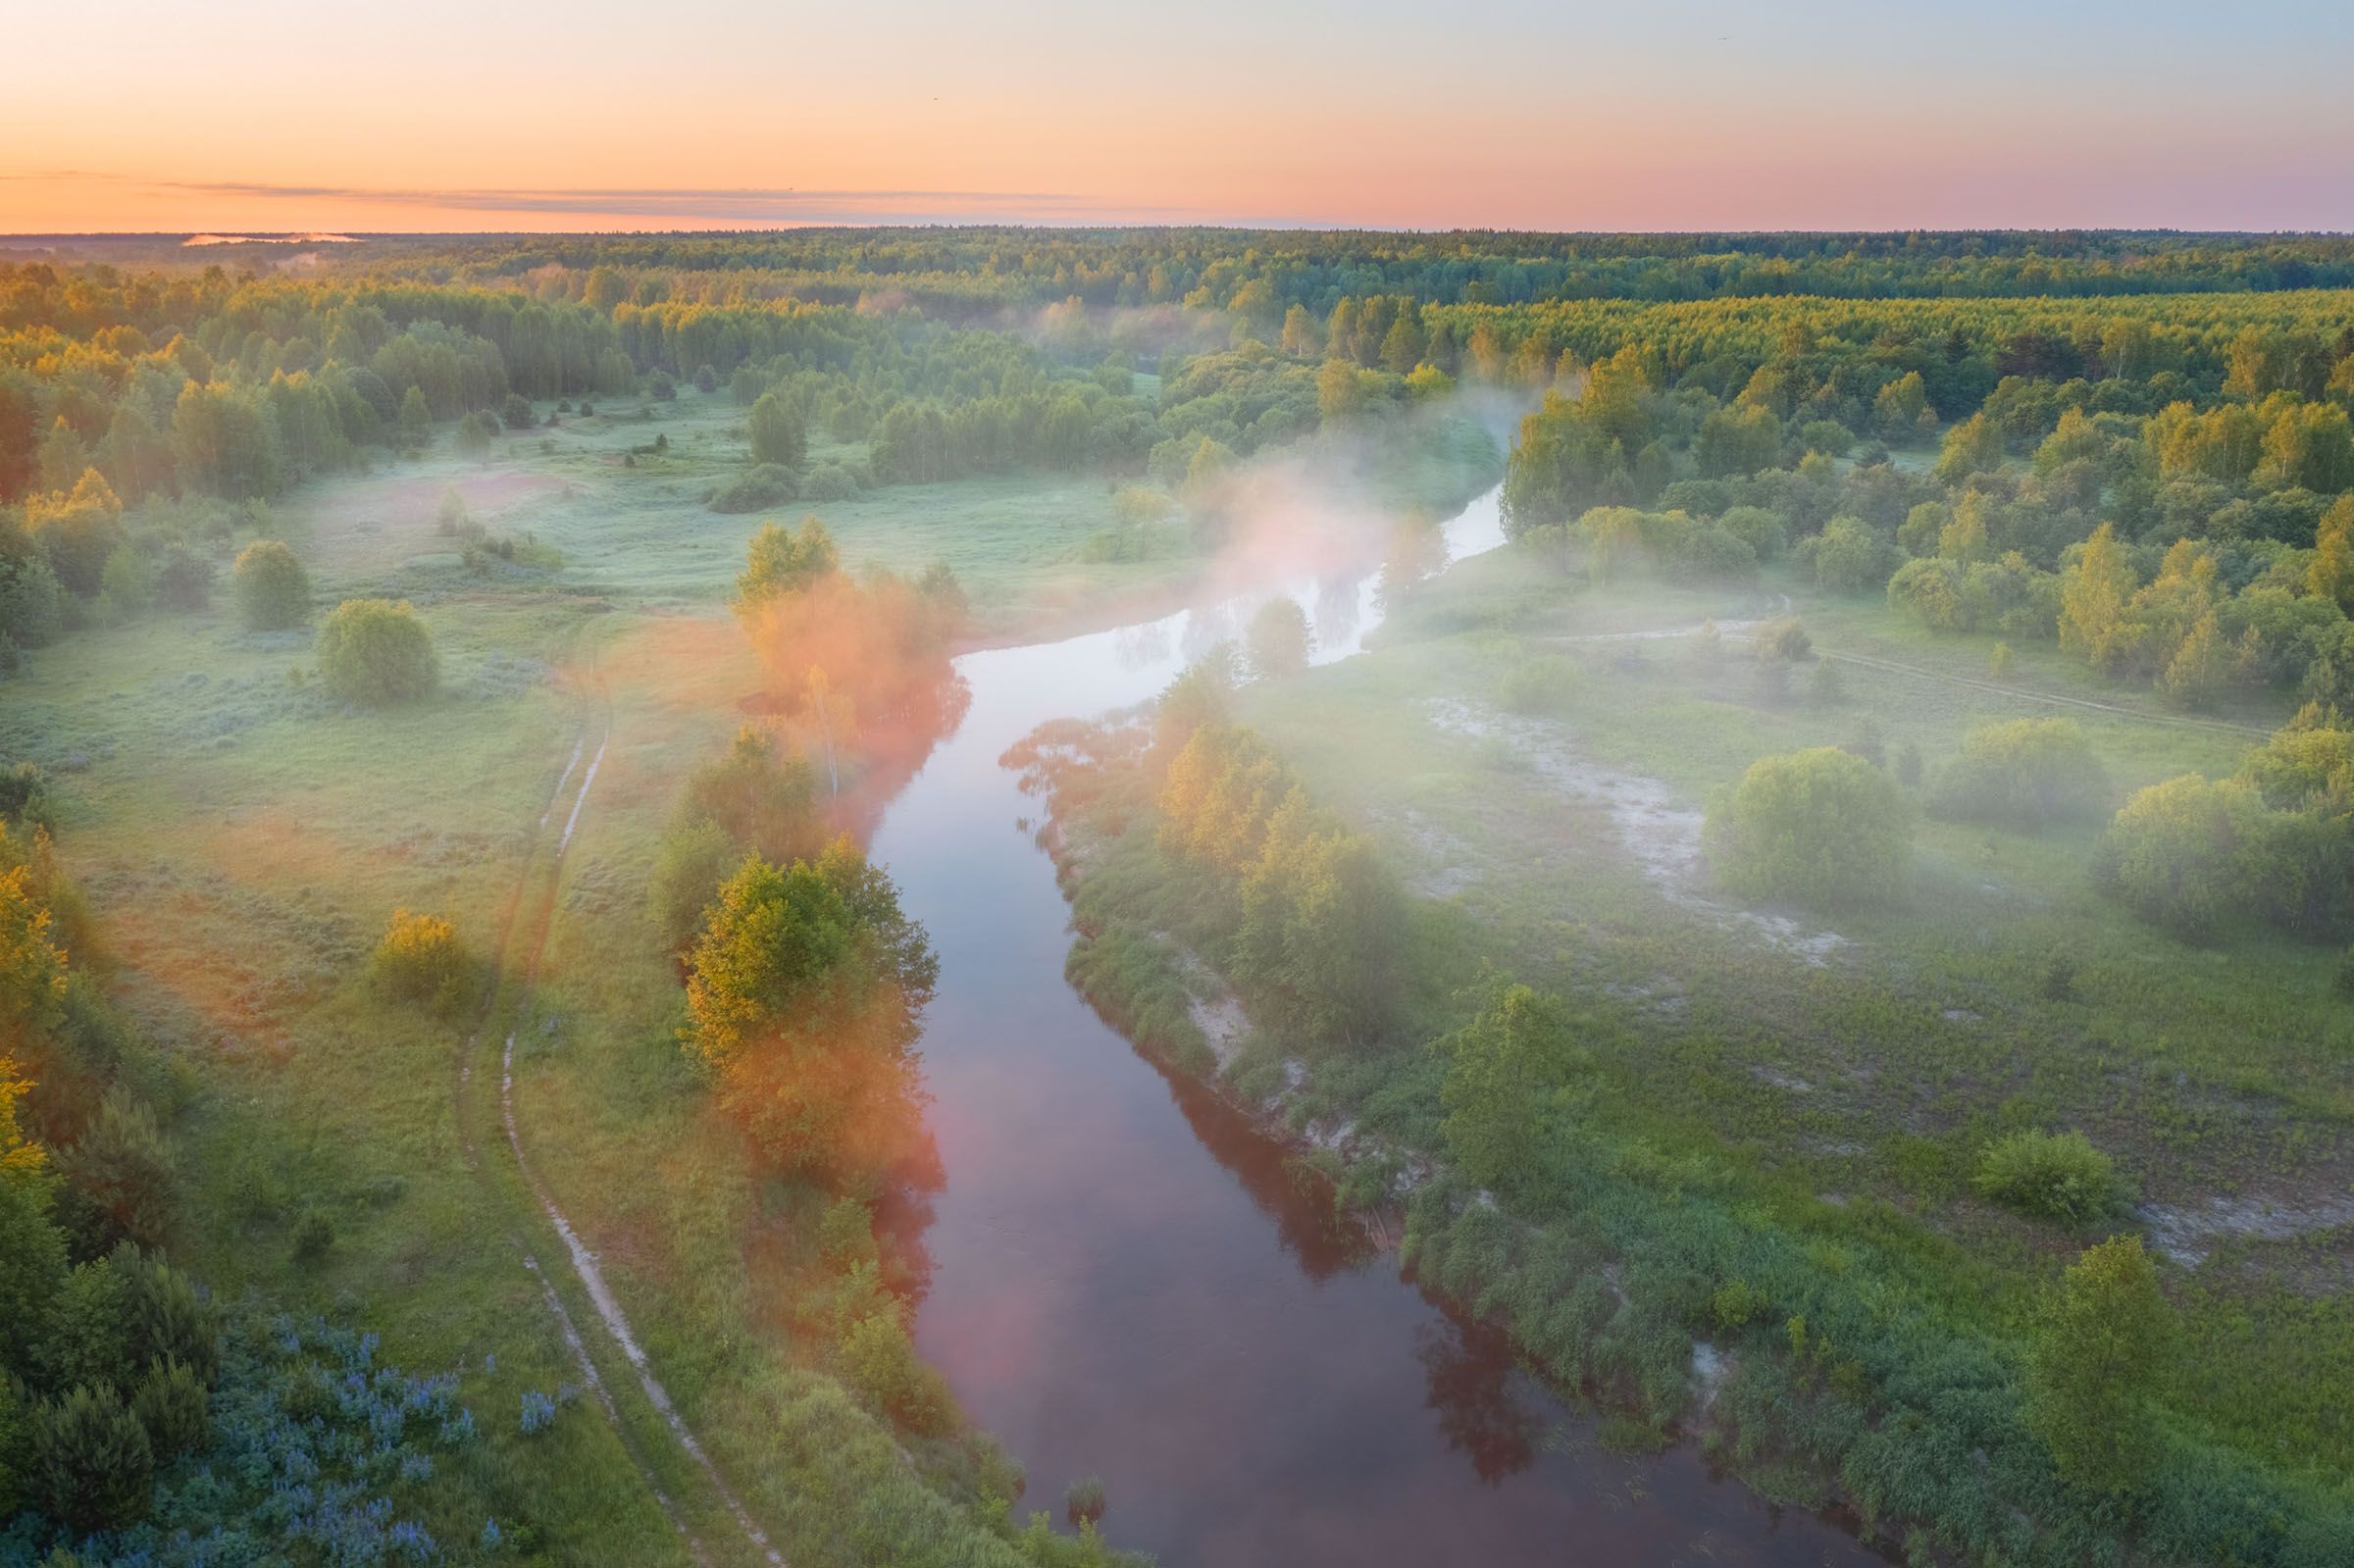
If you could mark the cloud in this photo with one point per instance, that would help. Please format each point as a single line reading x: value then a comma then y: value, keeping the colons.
x: 663, y: 207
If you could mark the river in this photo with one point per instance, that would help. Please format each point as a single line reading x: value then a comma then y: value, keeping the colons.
x: 1125, y: 1282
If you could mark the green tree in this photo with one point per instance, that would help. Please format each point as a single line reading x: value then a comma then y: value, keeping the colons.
x: 1821, y: 827
x: 780, y: 561
x: 273, y: 591
x: 780, y: 431
x: 1302, y: 337
x: 2181, y: 853
x: 121, y: 1184
x: 1278, y: 641
x: 2025, y: 773
x: 32, y: 1249
x: 94, y: 1459
x: 476, y: 431
x: 416, y: 418
x: 805, y: 993
x: 376, y: 651
x: 1974, y: 446
x: 1511, y: 1072
x: 419, y: 959
x: 2101, y: 1345
x: 78, y: 530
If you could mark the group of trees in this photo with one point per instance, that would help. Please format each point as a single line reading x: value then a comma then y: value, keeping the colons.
x: 106, y: 1353
x: 2166, y: 490
x: 1312, y: 916
x: 2274, y: 843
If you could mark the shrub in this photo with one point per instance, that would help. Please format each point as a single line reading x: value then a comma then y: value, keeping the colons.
x: 128, y: 581
x: 2028, y: 772
x: 2052, y: 1175
x: 377, y: 652
x: 2179, y: 853
x: 1541, y: 684
x: 33, y: 603
x: 273, y: 591
x: 1784, y: 641
x: 765, y: 484
x: 122, y: 1184
x: 780, y: 433
x: 171, y: 1407
x: 166, y: 1318
x: 1762, y: 530
x: 880, y: 1363
x: 2100, y: 1349
x: 1737, y: 1305
x: 1083, y: 1503
x: 515, y: 412
x: 690, y: 864
x: 94, y: 1459
x: 185, y: 582
x: 314, y: 1238
x: 25, y: 794
x: 420, y: 959
x: 829, y: 482
x: 1278, y: 639
x: 1821, y: 826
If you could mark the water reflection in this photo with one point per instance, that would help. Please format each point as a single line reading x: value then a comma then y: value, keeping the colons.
x: 1252, y: 1380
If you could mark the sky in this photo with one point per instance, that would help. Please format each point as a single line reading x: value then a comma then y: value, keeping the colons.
x: 454, y: 115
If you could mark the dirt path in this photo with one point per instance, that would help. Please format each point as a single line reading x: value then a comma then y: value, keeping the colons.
x: 523, y: 942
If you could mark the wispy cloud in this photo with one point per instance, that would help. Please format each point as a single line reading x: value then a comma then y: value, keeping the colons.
x: 658, y: 206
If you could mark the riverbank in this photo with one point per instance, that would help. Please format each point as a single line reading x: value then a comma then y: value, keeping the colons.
x: 1760, y: 1228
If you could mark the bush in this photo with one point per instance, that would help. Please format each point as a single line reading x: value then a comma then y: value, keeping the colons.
x: 688, y: 866
x: 171, y: 1407
x: 1278, y: 639
x: 515, y: 412
x: 128, y: 581
x: 1784, y: 641
x: 2028, y: 772
x: 1542, y: 685
x: 33, y: 603
x: 1083, y: 1503
x: 765, y: 485
x: 1821, y: 827
x: 374, y: 651
x: 829, y: 482
x: 121, y: 1185
x: 94, y: 1459
x: 880, y: 1363
x: 2052, y: 1175
x: 273, y: 591
x: 780, y: 433
x: 421, y: 960
x: 314, y: 1238
x: 185, y: 582
x: 2179, y: 853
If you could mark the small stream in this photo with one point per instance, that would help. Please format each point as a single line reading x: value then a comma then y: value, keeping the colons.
x: 1125, y: 1282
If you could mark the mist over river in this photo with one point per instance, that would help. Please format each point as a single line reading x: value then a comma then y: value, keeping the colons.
x: 1127, y: 1284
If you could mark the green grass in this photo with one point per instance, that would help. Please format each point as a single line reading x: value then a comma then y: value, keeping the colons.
x: 1831, y: 1111
x: 643, y: 538
x: 243, y: 840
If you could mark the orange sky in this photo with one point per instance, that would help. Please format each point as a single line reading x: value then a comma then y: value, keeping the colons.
x: 269, y: 115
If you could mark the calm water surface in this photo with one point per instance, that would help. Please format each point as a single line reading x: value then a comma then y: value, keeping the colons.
x: 1126, y: 1284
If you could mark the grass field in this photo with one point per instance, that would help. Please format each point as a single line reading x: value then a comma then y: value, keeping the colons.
x: 1826, y: 1082
x: 242, y: 839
